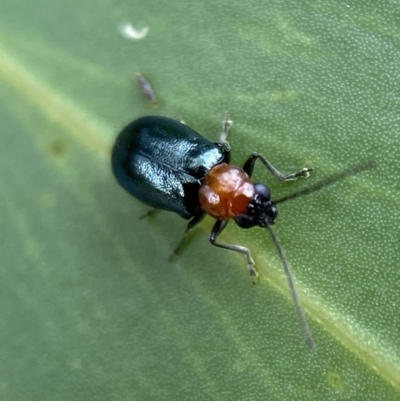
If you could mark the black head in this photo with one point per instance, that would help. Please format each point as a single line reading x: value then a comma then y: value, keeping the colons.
x: 261, y: 210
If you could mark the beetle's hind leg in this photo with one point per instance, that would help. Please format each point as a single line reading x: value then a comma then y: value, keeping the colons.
x: 197, y: 218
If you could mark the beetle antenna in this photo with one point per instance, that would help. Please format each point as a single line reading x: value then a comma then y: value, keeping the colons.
x: 353, y: 170
x: 300, y: 312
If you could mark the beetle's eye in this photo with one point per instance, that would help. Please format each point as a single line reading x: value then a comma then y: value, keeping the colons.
x: 263, y: 191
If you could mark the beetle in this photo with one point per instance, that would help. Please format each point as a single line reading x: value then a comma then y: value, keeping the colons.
x: 169, y: 166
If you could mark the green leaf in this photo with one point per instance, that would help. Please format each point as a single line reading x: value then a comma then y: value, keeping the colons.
x: 91, y: 308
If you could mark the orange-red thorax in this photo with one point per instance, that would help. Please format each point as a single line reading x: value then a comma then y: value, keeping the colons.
x: 225, y: 192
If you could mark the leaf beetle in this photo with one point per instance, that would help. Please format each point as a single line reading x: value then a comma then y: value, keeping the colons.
x: 169, y: 166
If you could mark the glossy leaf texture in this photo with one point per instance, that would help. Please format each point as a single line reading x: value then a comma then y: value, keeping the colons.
x: 90, y: 306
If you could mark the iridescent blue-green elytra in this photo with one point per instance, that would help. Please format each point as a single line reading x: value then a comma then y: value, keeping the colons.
x: 161, y: 162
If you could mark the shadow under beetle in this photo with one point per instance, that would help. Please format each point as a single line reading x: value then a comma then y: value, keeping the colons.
x: 169, y: 166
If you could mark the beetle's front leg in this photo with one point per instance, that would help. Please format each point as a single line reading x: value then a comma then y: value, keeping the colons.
x: 249, y: 167
x: 219, y: 226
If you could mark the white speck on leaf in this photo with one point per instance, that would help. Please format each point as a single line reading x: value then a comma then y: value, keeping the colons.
x: 129, y: 32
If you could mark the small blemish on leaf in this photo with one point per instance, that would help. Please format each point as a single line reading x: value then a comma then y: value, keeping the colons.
x: 57, y: 148
x: 335, y: 381
x: 284, y: 96
x: 75, y: 364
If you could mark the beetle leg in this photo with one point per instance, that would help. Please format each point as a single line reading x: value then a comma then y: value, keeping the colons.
x: 226, y: 125
x: 149, y: 213
x: 219, y: 226
x: 249, y: 166
x: 197, y: 218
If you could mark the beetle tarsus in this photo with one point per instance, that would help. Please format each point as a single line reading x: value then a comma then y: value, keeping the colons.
x: 149, y: 213
x: 177, y: 250
x: 252, y: 270
x: 174, y: 254
x: 226, y: 126
x: 253, y: 273
x: 304, y: 172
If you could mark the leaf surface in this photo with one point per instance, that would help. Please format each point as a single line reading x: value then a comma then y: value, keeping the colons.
x: 90, y: 306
